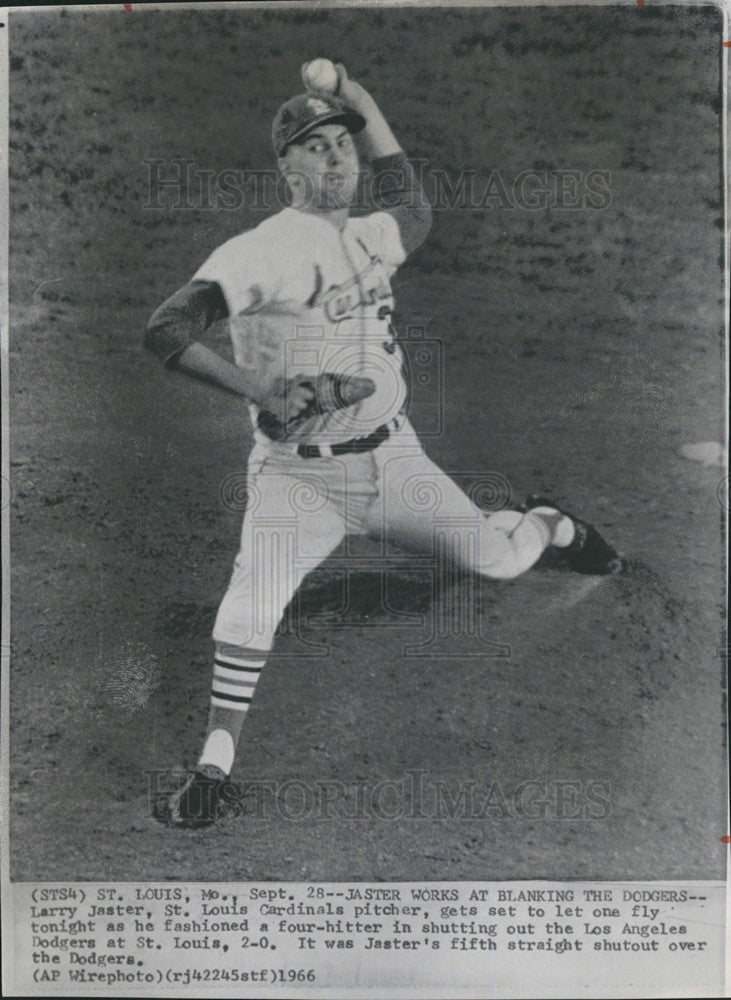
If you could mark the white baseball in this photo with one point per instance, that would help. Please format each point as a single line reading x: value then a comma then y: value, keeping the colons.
x: 320, y: 74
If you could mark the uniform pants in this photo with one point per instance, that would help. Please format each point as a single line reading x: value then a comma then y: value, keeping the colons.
x: 300, y: 509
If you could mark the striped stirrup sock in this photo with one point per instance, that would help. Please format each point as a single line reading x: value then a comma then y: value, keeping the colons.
x: 236, y: 671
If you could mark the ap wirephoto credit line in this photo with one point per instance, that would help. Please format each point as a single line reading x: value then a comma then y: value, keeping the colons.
x: 364, y: 500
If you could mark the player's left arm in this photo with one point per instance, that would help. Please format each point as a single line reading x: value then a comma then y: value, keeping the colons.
x: 396, y: 186
x: 172, y: 335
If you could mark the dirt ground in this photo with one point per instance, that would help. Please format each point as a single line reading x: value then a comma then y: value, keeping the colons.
x: 581, y: 348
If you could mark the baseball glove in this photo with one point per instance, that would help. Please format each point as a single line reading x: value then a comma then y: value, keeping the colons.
x: 291, y: 402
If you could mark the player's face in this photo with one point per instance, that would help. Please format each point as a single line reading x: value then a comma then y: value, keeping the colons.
x: 323, y: 168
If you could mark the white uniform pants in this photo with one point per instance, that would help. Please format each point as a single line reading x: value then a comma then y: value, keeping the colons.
x: 300, y: 509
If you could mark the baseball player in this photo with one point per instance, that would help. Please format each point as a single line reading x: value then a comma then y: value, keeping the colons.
x: 307, y: 294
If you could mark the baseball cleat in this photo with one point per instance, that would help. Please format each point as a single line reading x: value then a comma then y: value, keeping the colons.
x: 588, y: 552
x: 198, y: 803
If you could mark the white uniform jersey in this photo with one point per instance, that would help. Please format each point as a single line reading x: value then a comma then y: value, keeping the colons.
x: 330, y: 292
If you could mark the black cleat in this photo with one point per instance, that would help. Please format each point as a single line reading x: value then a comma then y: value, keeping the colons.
x: 588, y: 553
x: 197, y: 803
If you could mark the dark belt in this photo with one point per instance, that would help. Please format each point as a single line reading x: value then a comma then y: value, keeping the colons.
x: 378, y: 436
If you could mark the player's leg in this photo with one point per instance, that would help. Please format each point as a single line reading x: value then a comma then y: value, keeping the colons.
x: 283, y: 537
x: 424, y: 509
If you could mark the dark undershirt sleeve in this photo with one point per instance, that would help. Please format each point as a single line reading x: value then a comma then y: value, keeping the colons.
x: 182, y: 318
x: 396, y: 190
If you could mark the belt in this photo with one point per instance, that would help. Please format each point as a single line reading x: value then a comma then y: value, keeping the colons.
x: 368, y: 443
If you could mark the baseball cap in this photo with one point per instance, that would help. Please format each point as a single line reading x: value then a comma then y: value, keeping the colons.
x: 302, y: 113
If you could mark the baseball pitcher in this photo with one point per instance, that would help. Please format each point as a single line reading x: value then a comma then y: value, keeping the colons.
x: 308, y: 299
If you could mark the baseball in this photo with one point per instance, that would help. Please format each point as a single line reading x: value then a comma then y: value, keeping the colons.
x: 320, y: 74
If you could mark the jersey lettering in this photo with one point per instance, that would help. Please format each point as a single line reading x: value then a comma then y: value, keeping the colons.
x: 363, y: 289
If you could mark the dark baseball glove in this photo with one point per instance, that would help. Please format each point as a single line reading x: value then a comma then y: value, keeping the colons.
x: 291, y: 402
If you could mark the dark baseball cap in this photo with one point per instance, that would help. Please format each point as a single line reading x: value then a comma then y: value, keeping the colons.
x: 302, y: 113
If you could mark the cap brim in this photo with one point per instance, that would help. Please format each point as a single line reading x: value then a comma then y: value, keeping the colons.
x: 353, y: 121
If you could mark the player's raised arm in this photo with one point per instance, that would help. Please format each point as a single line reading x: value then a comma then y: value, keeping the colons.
x: 396, y: 187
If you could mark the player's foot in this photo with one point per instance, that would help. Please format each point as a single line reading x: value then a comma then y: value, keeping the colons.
x: 198, y: 803
x: 588, y: 552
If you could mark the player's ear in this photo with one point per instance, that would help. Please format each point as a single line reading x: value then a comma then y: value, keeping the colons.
x: 298, y: 182
x: 284, y: 165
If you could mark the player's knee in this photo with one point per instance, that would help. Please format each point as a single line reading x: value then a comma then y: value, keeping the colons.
x: 509, y: 545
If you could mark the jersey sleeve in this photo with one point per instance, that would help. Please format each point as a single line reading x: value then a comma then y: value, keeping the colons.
x: 245, y: 268
x: 398, y: 192
x: 182, y: 318
x: 385, y: 234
